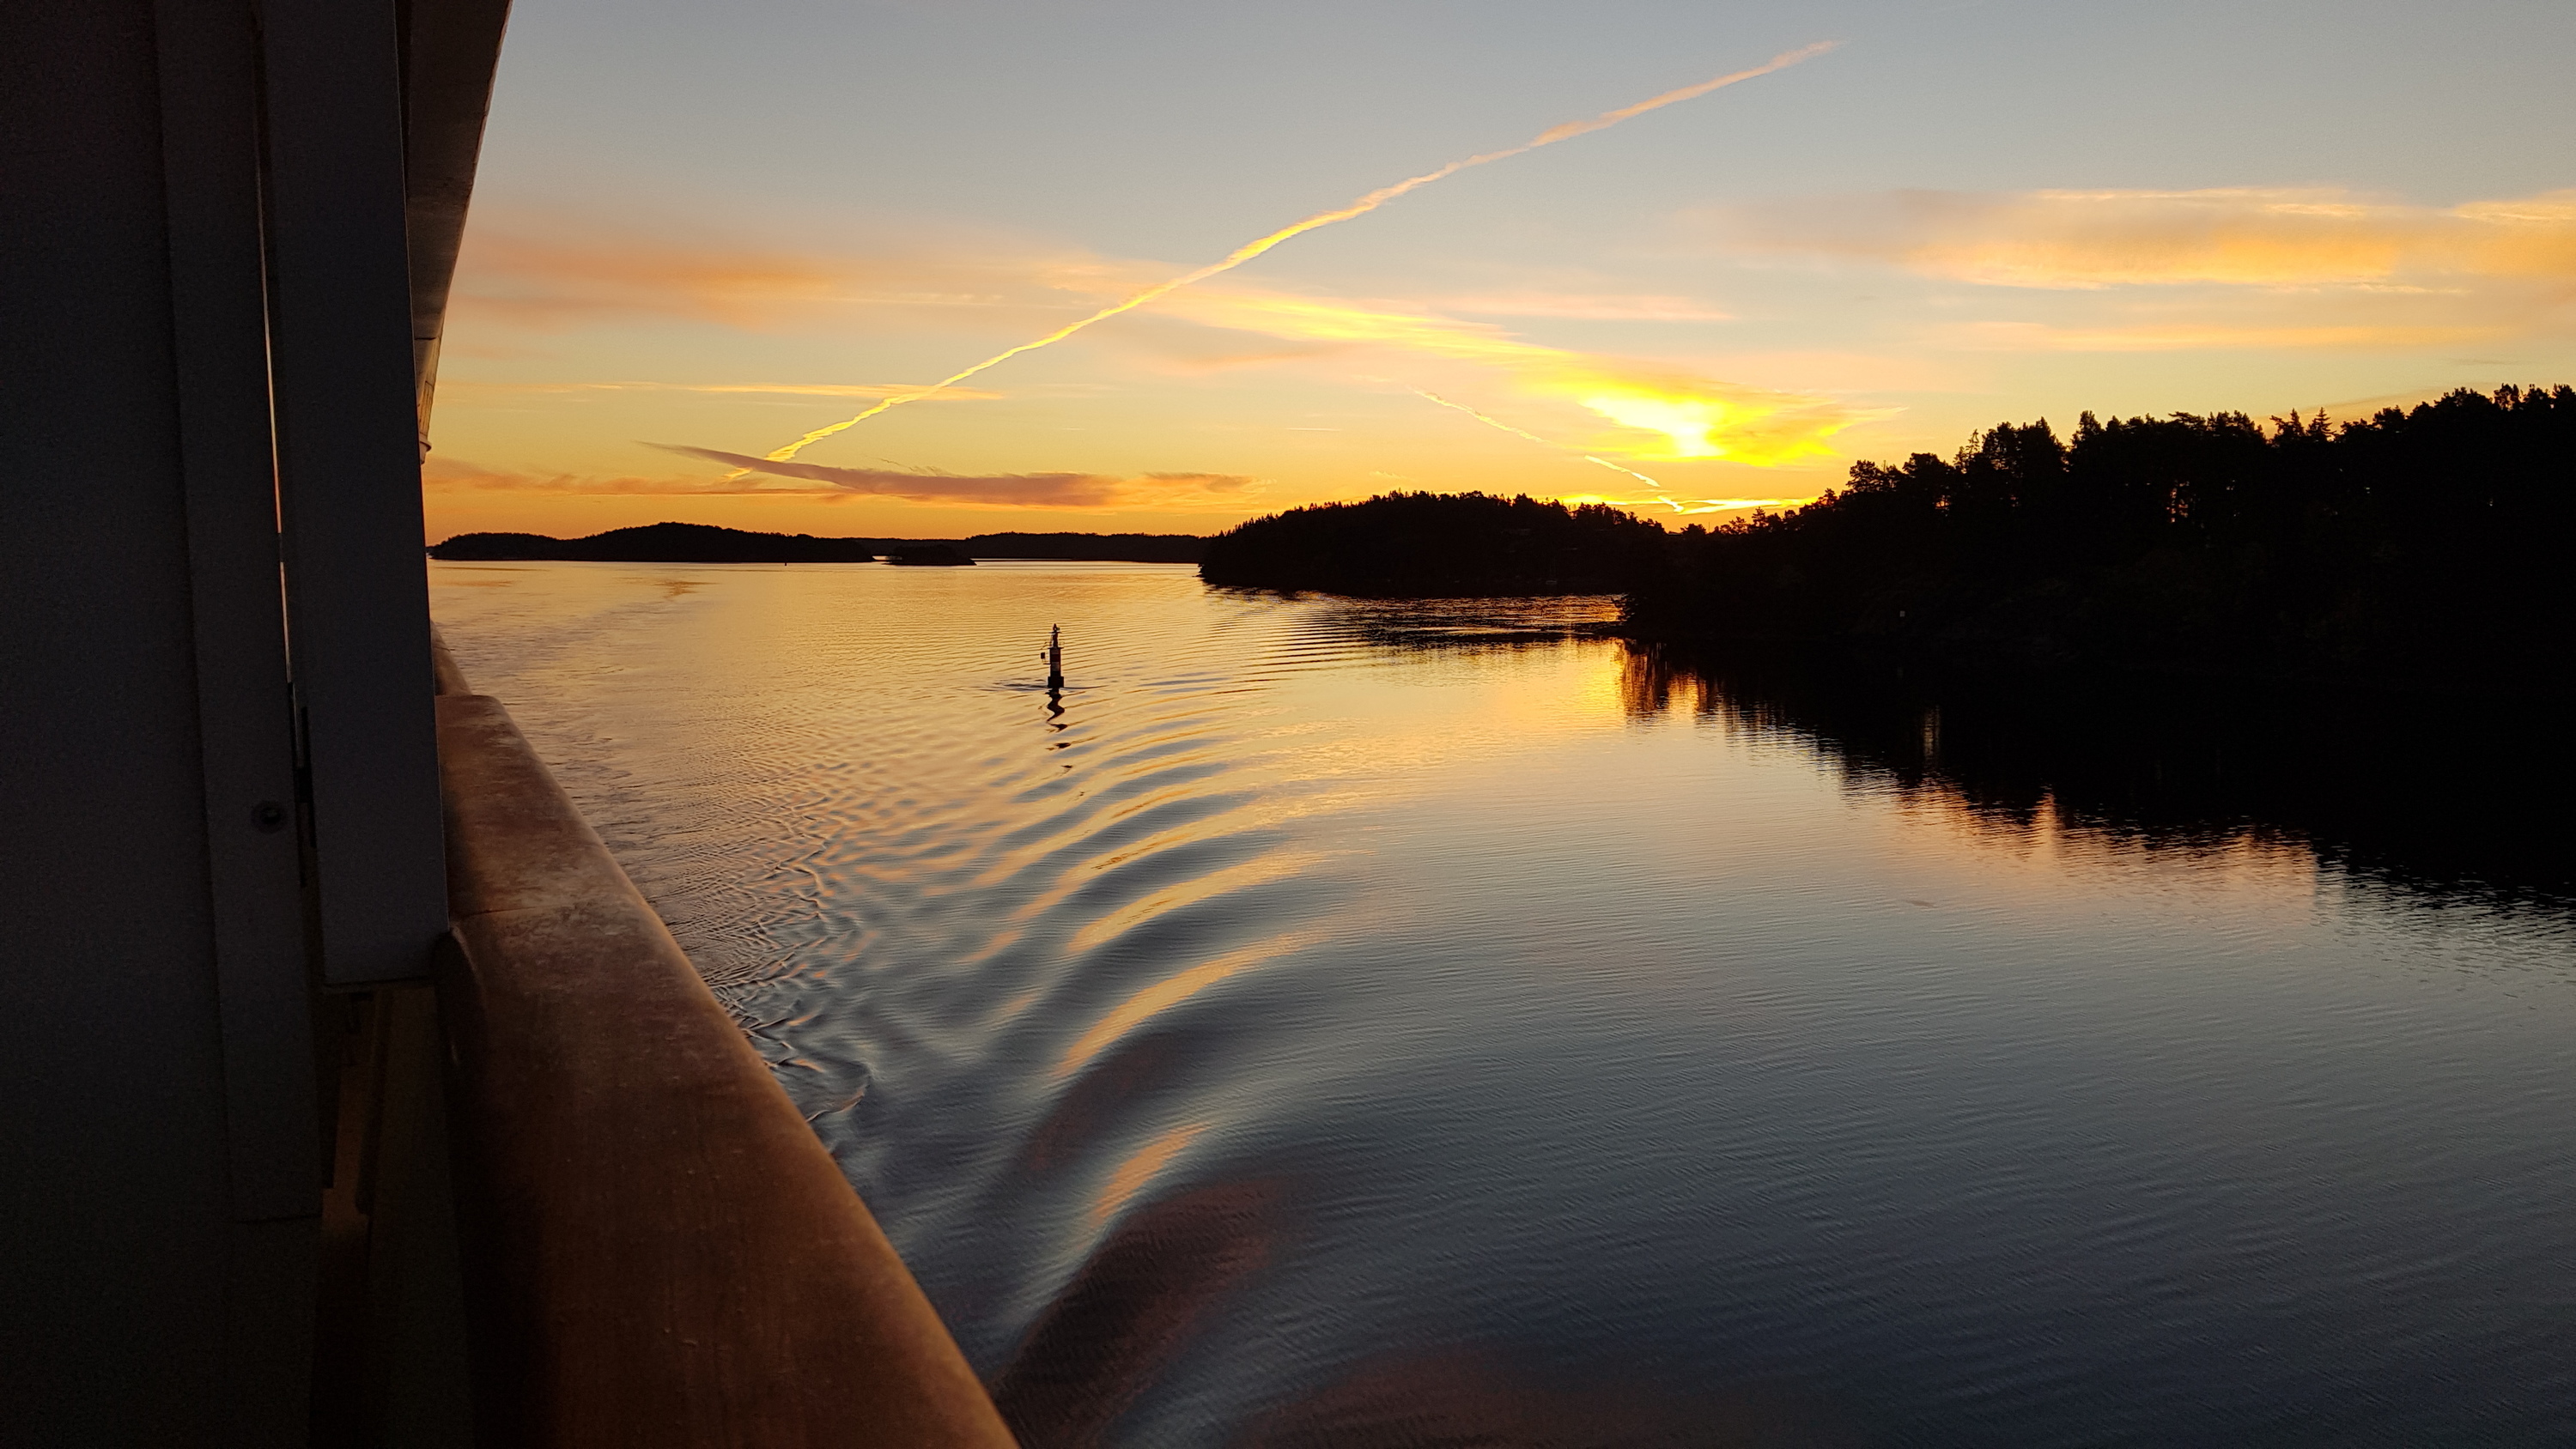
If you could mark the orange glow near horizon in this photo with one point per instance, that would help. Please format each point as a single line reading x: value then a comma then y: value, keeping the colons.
x: 1660, y: 413
x: 1645, y: 343
x: 1497, y: 423
x: 1254, y: 248
x: 1689, y: 418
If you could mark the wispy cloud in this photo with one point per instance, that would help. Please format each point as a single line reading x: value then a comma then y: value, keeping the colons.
x: 1663, y: 412
x: 2235, y: 236
x: 2208, y: 336
x: 1358, y: 207
x: 1586, y: 306
x: 553, y: 283
x: 1019, y: 490
x: 441, y: 474
x: 558, y: 275
x: 549, y: 274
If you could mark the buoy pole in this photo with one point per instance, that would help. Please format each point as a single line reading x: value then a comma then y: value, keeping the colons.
x: 1055, y: 657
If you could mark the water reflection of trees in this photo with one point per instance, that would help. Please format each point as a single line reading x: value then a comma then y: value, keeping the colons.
x: 2466, y: 803
x: 2448, y: 800
x: 1448, y: 626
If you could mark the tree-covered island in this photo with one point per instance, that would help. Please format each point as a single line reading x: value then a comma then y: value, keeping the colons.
x: 1427, y: 545
x: 2422, y: 543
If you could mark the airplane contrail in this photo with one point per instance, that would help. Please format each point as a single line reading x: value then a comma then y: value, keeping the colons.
x: 1371, y: 202
x: 1494, y: 422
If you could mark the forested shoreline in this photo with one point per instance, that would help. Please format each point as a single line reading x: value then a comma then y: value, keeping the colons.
x: 2418, y: 544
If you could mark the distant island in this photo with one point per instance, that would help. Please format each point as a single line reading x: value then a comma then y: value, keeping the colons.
x: 1186, y: 548
x: 706, y: 543
x: 1422, y: 545
x: 2418, y: 544
x: 659, y: 543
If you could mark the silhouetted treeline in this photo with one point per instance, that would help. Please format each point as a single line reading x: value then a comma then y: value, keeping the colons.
x: 1091, y: 547
x: 706, y: 543
x: 660, y: 543
x: 1437, y: 545
x: 2423, y: 543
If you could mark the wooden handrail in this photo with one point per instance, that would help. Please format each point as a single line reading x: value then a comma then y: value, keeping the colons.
x: 662, y: 1252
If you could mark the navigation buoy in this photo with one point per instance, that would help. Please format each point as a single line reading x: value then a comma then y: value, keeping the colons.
x: 1055, y: 657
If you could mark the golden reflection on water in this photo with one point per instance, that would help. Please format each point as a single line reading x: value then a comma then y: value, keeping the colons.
x: 1464, y: 990
x: 1374, y: 701
x: 1172, y: 990
x: 1279, y: 865
x: 1131, y: 1176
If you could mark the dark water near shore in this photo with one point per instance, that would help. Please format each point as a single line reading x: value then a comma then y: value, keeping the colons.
x: 1378, y: 1024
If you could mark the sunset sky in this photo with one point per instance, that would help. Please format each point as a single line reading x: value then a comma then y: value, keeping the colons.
x: 704, y: 231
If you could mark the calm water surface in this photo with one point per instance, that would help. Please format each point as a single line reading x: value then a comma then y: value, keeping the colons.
x: 1368, y: 1024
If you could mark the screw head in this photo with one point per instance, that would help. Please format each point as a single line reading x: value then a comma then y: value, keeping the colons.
x: 269, y: 816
